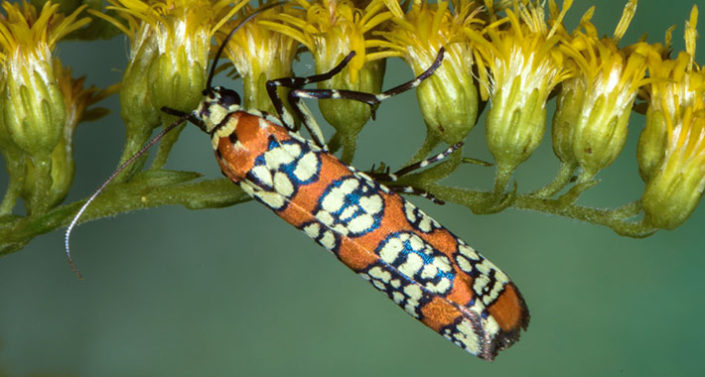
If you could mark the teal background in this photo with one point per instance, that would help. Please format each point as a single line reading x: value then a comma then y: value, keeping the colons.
x: 236, y: 291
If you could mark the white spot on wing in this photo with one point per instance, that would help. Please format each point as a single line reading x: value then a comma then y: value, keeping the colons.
x: 283, y: 185
x: 307, y: 167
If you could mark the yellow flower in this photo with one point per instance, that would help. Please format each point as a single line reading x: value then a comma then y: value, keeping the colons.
x: 671, y: 151
x: 448, y: 99
x: 260, y: 54
x: 593, y: 108
x: 519, y: 67
x: 169, y: 45
x: 331, y: 29
x: 32, y: 105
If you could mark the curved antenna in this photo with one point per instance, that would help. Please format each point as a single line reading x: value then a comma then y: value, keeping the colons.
x: 123, y: 166
x: 247, y: 19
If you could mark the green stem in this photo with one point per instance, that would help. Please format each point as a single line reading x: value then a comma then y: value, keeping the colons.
x: 502, y: 177
x: 165, y: 144
x: 16, y: 170
x: 349, y: 146
x: 136, y: 137
x: 432, y: 139
x: 616, y: 219
x: 564, y: 176
x: 334, y: 143
x: 38, y: 184
x: 147, y: 190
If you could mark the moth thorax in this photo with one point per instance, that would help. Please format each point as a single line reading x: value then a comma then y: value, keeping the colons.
x: 212, y: 113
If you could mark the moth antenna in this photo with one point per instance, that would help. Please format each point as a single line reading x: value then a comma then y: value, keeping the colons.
x: 123, y: 166
x: 247, y: 19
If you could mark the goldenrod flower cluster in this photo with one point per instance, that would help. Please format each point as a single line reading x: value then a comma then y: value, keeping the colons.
x: 509, y: 57
x: 40, y: 103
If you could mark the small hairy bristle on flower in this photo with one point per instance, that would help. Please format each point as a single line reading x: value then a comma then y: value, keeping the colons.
x: 521, y: 45
x: 178, y: 18
x: 691, y: 34
x: 627, y: 16
x: 419, y: 34
x: 23, y: 30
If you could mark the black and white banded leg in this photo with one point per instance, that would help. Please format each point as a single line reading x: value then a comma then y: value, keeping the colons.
x: 386, y: 176
x: 296, y: 83
x: 297, y: 93
x: 417, y: 192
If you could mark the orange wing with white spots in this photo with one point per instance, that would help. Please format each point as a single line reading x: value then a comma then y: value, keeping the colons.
x: 432, y: 274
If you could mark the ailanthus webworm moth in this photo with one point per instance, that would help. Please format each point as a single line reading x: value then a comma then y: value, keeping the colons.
x: 425, y: 269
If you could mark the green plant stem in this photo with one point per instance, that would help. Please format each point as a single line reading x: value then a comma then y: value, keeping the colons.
x: 502, y: 178
x: 349, y: 147
x: 38, y: 184
x: 136, y: 138
x: 616, y: 219
x: 334, y: 143
x: 146, y: 190
x: 165, y: 145
x: 432, y: 139
x: 16, y: 169
x: 565, y: 174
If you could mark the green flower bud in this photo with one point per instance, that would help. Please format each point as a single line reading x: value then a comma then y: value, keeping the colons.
x: 594, y: 107
x: 33, y: 106
x: 15, y: 162
x: 671, y: 150
x: 652, y: 143
x: 448, y: 99
x: 602, y: 139
x: 349, y: 116
x: 140, y: 115
x: 177, y: 75
x: 515, y: 124
x: 31, y: 102
x: 674, y: 191
x: 568, y: 108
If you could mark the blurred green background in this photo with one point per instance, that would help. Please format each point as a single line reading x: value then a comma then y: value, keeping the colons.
x: 236, y: 291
